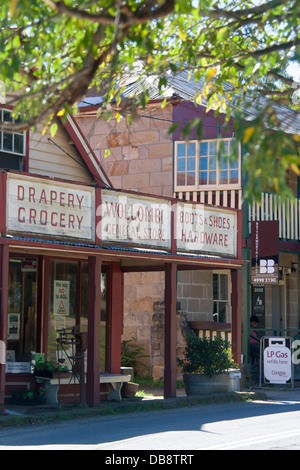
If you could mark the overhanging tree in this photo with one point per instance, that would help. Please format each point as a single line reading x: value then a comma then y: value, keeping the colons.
x: 52, y: 51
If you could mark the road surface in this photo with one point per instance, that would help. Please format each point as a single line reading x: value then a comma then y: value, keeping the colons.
x: 255, y: 425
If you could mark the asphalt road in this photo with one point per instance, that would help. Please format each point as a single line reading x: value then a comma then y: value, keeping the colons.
x: 257, y: 425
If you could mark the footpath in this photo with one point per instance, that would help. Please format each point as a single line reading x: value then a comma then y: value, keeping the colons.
x: 17, y: 415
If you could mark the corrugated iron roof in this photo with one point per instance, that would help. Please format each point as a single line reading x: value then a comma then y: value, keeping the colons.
x: 184, y: 86
x: 119, y: 248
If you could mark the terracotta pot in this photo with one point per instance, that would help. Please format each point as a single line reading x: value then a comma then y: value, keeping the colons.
x: 129, y: 389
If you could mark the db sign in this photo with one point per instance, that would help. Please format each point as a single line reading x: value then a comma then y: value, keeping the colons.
x: 277, y: 360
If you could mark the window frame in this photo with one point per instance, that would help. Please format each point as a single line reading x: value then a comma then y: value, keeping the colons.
x: 4, y: 109
x: 204, y: 187
x: 227, y: 301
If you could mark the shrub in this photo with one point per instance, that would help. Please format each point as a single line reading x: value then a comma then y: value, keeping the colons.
x: 206, y: 356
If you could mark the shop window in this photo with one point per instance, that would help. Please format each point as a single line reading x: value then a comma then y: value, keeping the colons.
x: 22, y: 297
x: 68, y: 303
x: 221, y: 305
x: 63, y: 278
x: 12, y: 144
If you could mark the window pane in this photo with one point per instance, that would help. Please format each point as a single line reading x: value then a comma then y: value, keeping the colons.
x: 180, y: 179
x: 191, y: 149
x: 224, y: 163
x: 225, y: 147
x: 233, y: 177
x: 190, y: 179
x: 181, y: 164
x: 203, y: 163
x: 7, y: 116
x: 191, y: 164
x: 234, y: 164
x: 212, y: 177
x: 213, y: 148
x: 223, y: 287
x: 215, y: 286
x: 181, y: 150
x: 19, y: 143
x: 222, y: 312
x: 213, y: 163
x: 203, y: 177
x: 7, y: 141
x: 223, y: 179
x: 216, y: 312
x: 204, y: 148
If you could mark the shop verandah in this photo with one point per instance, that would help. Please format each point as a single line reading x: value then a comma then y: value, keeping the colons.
x: 104, y: 335
x: 37, y: 267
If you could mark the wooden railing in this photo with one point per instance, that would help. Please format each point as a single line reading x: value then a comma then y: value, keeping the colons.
x: 224, y: 198
x: 271, y: 208
x: 211, y: 329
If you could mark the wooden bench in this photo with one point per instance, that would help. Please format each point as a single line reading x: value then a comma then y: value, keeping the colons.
x: 115, y: 382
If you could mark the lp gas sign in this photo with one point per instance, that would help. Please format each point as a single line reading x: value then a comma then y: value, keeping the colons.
x: 277, y: 360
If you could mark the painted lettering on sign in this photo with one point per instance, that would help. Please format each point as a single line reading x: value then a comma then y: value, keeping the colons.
x: 50, y: 208
x: 135, y: 220
x: 208, y: 230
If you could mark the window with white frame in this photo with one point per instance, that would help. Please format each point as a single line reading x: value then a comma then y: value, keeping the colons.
x: 12, y: 142
x: 221, y: 297
x: 205, y: 164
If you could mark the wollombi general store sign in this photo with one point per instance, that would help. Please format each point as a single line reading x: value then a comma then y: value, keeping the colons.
x: 135, y: 220
x: 50, y: 208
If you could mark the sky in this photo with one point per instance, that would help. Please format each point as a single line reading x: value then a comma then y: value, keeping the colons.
x: 294, y: 70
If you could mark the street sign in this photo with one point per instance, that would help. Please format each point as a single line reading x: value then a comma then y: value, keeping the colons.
x: 277, y: 360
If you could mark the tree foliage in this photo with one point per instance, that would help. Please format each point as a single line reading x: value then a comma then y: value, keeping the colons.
x: 52, y: 51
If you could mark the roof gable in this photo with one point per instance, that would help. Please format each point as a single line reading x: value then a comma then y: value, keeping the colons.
x: 85, y: 151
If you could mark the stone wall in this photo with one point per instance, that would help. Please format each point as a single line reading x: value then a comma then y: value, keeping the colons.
x: 141, y: 153
x: 144, y: 320
x: 194, y: 292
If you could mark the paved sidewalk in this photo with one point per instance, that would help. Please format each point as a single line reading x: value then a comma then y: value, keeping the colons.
x: 16, y: 415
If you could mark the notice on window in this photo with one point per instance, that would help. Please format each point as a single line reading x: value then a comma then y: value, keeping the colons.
x: 61, y: 298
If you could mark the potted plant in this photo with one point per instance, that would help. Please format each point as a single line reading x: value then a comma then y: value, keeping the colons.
x: 44, y: 369
x: 208, y: 367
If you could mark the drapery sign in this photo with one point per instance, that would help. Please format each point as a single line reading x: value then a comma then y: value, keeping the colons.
x: 277, y: 360
x: 61, y: 298
x: 50, y: 208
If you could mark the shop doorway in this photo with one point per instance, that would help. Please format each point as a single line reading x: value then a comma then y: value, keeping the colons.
x: 22, y: 309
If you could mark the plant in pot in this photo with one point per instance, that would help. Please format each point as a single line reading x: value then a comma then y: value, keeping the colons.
x: 208, y: 367
x: 44, y: 369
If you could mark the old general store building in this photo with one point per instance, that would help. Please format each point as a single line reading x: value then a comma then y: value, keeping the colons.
x: 68, y: 241
x: 145, y: 157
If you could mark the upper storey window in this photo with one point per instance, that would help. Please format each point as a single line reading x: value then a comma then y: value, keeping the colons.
x: 12, y: 144
x: 205, y: 164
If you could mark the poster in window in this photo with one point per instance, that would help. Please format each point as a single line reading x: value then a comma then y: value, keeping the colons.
x: 13, y: 327
x: 61, y: 298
